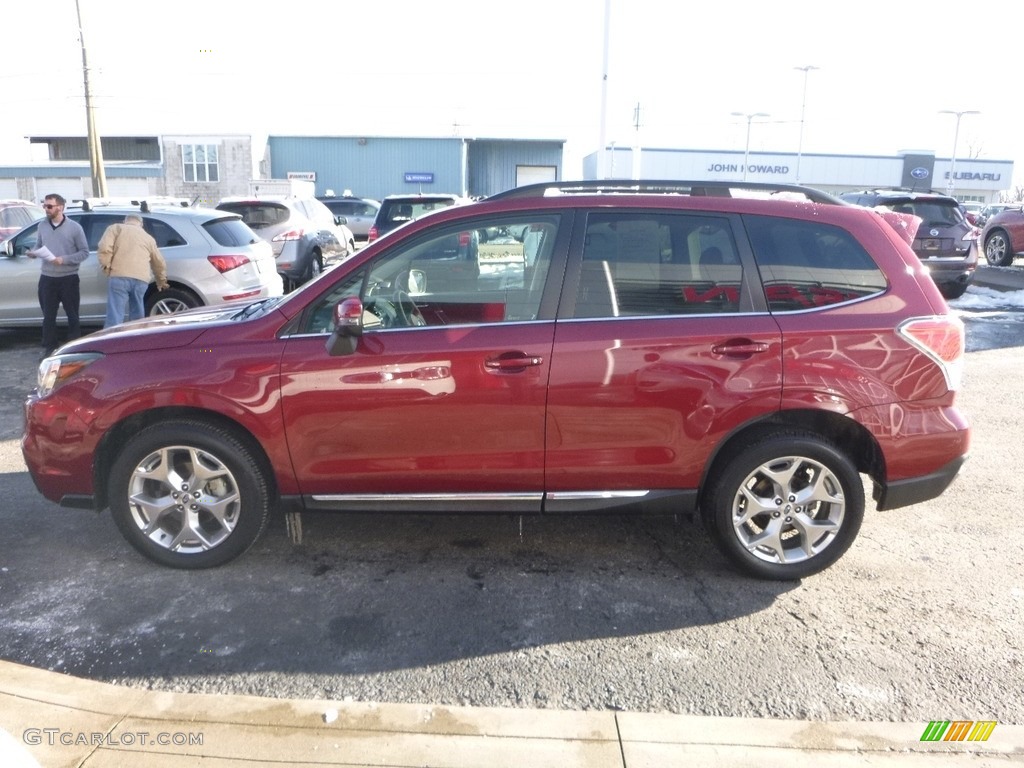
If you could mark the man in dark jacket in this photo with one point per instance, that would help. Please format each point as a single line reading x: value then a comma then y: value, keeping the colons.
x: 66, y: 248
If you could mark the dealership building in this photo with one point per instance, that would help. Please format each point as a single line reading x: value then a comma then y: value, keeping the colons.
x: 206, y: 168
x: 973, y: 179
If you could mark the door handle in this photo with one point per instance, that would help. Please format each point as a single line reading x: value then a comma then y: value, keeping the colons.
x: 512, y: 361
x: 740, y: 348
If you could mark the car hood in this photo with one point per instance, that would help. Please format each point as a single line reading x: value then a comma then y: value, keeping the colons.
x: 163, y: 331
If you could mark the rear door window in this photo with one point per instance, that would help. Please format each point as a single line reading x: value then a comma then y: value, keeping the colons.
x: 657, y: 264
x: 165, y: 235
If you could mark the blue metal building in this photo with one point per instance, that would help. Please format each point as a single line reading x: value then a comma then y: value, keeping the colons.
x: 377, y: 166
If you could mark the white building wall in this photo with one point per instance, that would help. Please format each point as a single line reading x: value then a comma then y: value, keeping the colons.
x: 976, y: 179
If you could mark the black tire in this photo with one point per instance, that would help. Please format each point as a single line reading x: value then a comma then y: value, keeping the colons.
x: 998, y: 249
x: 170, y: 301
x: 953, y: 290
x: 796, y: 478
x: 228, y: 501
x: 316, y: 266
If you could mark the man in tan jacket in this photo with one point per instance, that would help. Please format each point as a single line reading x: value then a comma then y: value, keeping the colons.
x: 127, y: 254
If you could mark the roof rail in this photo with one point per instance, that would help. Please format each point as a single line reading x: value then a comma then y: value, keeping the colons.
x: 663, y: 187
x: 91, y: 203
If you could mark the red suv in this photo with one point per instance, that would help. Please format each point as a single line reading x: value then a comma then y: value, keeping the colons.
x: 1003, y: 236
x: 683, y: 347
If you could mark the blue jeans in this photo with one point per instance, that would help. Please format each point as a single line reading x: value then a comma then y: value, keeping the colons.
x: 125, y: 293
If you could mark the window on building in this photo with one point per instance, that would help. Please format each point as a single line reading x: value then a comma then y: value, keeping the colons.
x: 199, y: 162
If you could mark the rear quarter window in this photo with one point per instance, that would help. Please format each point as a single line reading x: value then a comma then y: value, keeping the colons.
x: 805, y: 265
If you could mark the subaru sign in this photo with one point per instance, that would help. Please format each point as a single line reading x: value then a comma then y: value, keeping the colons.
x: 916, y: 169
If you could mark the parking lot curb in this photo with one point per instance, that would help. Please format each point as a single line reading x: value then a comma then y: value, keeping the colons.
x: 51, y: 719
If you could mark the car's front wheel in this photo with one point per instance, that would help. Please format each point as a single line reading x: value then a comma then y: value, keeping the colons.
x: 784, y: 506
x: 998, y: 249
x: 188, y: 494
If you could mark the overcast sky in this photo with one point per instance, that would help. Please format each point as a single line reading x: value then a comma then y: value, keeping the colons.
x: 532, y: 68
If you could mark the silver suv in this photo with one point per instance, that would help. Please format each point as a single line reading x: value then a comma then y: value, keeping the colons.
x: 302, y: 231
x: 212, y: 258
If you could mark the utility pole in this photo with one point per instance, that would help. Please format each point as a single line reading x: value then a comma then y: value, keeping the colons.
x: 803, y: 109
x: 602, y: 155
x: 750, y: 119
x: 951, y: 181
x: 637, y: 163
x: 99, y: 177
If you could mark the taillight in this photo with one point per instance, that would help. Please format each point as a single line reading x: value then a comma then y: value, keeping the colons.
x: 227, y: 263
x: 941, y: 337
x: 291, y: 234
x: 372, y: 235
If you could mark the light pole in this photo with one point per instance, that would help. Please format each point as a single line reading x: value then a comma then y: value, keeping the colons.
x: 750, y: 118
x: 956, y: 135
x: 806, y: 69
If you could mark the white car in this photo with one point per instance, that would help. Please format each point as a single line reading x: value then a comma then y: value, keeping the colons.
x: 212, y: 258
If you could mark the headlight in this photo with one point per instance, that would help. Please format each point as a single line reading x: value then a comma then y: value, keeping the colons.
x: 54, y: 371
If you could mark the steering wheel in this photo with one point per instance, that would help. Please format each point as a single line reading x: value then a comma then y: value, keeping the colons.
x: 409, y: 314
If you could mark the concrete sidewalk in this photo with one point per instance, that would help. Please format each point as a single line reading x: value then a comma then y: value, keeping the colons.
x: 49, y: 719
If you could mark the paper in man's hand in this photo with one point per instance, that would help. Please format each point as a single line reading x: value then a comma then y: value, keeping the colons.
x: 43, y: 253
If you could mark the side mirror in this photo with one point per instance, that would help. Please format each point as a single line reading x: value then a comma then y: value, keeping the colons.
x: 341, y: 220
x: 7, y: 248
x: 348, y: 327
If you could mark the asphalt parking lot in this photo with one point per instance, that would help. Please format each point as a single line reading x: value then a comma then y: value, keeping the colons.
x: 920, y: 620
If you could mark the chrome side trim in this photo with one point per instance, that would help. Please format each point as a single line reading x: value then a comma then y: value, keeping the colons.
x: 586, y: 495
x: 420, y: 497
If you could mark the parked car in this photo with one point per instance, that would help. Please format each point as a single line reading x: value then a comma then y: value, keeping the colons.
x: 992, y: 209
x: 972, y: 210
x: 945, y: 241
x: 212, y: 258
x: 359, y: 212
x: 1003, y: 236
x: 16, y: 214
x: 396, y: 210
x: 667, y: 349
x: 302, y: 231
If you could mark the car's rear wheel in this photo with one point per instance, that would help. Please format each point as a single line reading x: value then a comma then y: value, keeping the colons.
x: 784, y: 506
x: 188, y: 494
x: 998, y: 249
x: 171, y: 300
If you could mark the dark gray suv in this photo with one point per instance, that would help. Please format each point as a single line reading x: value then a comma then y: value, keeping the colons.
x: 945, y: 242
x: 396, y: 210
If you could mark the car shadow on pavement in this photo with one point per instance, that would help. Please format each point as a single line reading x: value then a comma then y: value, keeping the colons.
x: 363, y: 595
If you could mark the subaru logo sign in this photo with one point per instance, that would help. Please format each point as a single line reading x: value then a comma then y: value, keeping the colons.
x: 919, y: 173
